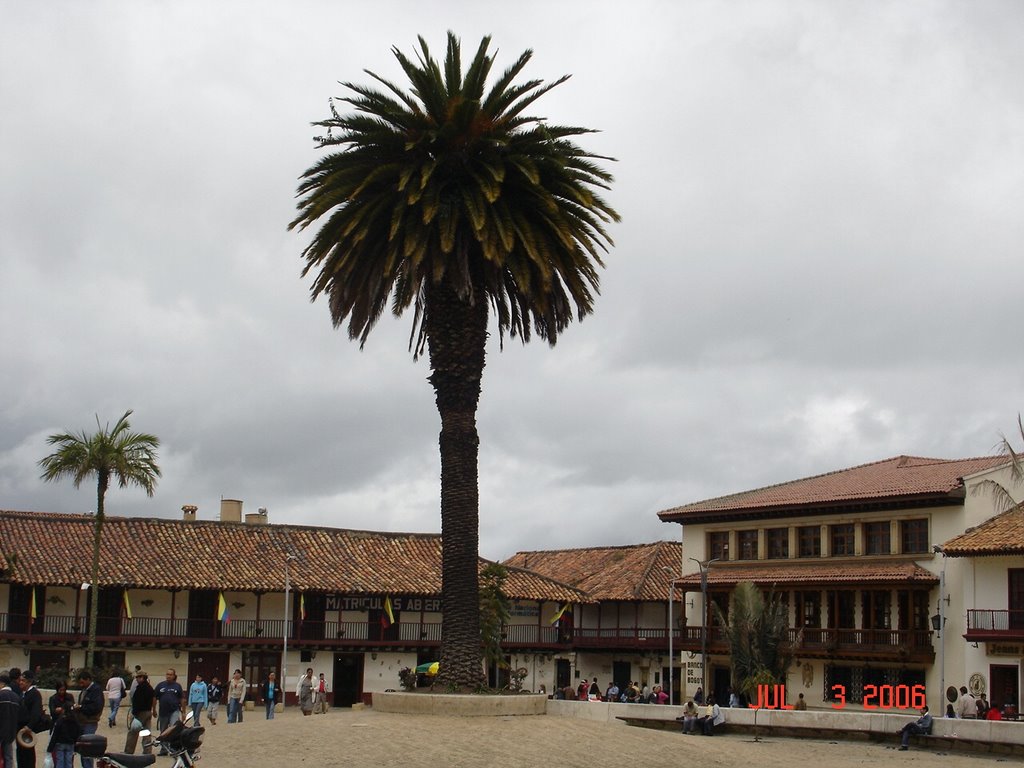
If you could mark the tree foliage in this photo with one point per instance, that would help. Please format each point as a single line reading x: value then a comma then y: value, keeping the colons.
x: 757, y: 630
x: 109, y: 455
x: 1003, y: 497
x: 494, y: 612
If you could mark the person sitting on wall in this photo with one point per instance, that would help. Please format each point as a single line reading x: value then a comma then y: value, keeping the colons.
x: 712, y: 718
x: 921, y: 726
x: 689, y: 718
x: 801, y: 704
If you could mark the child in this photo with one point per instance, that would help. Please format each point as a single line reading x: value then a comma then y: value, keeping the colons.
x: 66, y: 729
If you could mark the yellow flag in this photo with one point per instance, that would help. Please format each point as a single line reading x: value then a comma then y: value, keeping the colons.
x: 127, y: 605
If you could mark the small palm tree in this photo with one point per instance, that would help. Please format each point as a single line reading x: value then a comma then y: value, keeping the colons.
x: 449, y: 198
x: 494, y: 613
x: 758, y: 633
x: 1002, y: 496
x: 108, y: 454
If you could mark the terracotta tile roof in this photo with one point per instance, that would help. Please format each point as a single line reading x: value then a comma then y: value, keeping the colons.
x: 999, y: 535
x: 609, y: 573
x: 56, y: 549
x: 895, y: 480
x: 813, y: 574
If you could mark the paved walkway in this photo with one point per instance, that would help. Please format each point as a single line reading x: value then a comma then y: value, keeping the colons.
x: 368, y: 738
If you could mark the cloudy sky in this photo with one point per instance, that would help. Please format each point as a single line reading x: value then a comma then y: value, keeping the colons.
x: 819, y: 265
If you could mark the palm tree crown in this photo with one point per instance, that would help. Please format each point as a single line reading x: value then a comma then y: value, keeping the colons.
x: 118, y: 454
x: 452, y: 182
x: 450, y: 199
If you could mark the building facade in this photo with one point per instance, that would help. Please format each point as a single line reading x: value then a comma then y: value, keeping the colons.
x: 856, y: 555
x: 623, y: 634
x: 986, y: 575
x: 215, y: 596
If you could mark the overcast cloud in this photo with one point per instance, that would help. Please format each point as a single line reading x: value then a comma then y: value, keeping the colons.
x: 819, y: 262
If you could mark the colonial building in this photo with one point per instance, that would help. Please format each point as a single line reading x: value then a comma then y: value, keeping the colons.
x: 213, y: 596
x: 622, y: 635
x: 986, y: 576
x: 854, y: 555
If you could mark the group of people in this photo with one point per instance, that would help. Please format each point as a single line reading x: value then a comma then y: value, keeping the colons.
x: 633, y: 693
x: 703, y: 718
x: 971, y: 707
x: 64, y: 719
x: 312, y: 693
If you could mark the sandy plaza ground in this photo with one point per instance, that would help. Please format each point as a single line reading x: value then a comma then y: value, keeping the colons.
x: 346, y: 737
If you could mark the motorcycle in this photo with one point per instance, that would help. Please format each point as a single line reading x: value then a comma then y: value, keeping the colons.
x: 181, y: 741
x: 94, y: 745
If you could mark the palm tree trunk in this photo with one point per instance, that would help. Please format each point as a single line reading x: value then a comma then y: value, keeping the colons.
x: 457, y: 337
x: 102, y: 484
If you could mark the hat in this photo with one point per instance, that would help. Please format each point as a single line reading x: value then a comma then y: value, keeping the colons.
x: 141, y: 673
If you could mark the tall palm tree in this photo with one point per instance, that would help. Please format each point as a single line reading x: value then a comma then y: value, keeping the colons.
x: 108, y: 454
x: 450, y: 199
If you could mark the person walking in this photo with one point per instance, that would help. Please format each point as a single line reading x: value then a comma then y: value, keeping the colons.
x: 168, y: 700
x: 270, y: 691
x: 115, y: 692
x: 305, y: 692
x: 198, y: 697
x: 320, y: 707
x: 142, y: 700
x: 214, y: 692
x: 237, y: 688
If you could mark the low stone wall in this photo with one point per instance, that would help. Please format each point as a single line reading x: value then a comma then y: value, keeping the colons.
x: 460, y: 705
x: 879, y: 726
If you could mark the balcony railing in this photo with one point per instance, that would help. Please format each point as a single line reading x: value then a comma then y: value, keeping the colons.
x: 987, y: 624
x: 814, y: 642
x: 820, y: 642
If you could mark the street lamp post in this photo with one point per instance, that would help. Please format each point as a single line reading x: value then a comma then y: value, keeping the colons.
x: 704, y: 566
x: 284, y: 656
x: 671, y: 631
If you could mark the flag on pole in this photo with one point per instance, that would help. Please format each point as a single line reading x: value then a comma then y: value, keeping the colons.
x: 222, y: 609
x: 302, y: 606
x: 127, y: 605
x: 33, y: 613
x: 387, y: 618
x: 561, y: 611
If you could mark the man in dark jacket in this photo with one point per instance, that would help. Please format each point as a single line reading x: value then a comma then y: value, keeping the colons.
x: 142, y: 710
x: 10, y: 711
x: 89, y: 708
x: 31, y: 716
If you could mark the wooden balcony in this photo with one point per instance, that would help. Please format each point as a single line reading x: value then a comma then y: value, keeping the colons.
x: 269, y: 633
x: 165, y: 632
x: 871, y: 644
x: 895, y: 645
x: 993, y: 625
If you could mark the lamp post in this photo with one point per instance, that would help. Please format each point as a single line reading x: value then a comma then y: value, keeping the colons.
x: 284, y: 656
x: 671, y: 632
x: 704, y: 566
x: 939, y: 621
x: 671, y: 657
